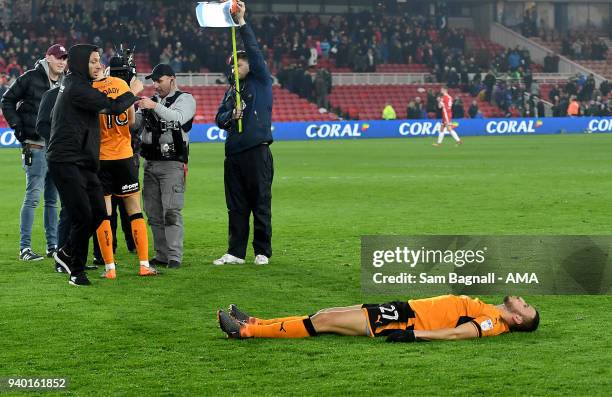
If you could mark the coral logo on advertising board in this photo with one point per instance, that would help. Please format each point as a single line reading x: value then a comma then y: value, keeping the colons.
x: 420, y: 128
x: 215, y: 134
x: 513, y: 126
x: 603, y: 125
x: 336, y: 130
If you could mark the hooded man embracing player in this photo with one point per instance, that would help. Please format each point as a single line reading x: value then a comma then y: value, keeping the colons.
x: 74, y: 152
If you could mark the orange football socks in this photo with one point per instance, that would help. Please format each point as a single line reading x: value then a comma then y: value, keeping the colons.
x: 289, y: 327
x: 141, y: 240
x: 105, y: 240
x: 261, y: 321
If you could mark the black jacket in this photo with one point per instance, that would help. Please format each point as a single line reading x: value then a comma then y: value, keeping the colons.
x: 43, y: 121
x: 75, y: 125
x: 20, y: 103
x: 256, y: 92
x: 473, y: 111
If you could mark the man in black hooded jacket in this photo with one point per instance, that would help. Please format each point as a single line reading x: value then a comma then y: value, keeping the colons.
x: 74, y: 152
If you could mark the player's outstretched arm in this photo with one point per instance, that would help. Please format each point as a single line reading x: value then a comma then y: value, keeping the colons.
x: 464, y: 331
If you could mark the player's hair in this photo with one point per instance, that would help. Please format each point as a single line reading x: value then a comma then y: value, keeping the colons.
x: 527, y: 325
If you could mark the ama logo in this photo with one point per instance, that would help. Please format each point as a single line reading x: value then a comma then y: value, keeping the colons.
x: 513, y: 126
x: 364, y: 127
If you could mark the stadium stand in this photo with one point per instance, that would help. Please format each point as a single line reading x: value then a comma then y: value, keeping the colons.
x: 600, y: 66
x: 301, y: 43
x: 287, y: 106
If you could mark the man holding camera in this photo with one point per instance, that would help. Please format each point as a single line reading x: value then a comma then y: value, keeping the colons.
x: 165, y: 121
x: 248, y: 163
x: 20, y: 107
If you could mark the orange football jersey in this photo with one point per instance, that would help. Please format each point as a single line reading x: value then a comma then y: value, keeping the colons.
x: 115, y: 138
x: 445, y: 312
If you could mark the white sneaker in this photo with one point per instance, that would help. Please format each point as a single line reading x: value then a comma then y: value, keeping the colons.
x: 228, y: 259
x: 261, y: 260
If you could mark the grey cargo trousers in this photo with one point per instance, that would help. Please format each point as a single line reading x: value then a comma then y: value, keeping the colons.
x: 164, y: 197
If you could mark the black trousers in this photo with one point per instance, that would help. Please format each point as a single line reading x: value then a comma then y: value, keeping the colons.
x: 82, y: 196
x: 248, y: 189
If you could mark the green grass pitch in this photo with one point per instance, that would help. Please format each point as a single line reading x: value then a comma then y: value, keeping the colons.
x: 158, y: 336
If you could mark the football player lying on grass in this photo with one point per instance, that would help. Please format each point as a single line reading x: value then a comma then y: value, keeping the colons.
x: 445, y: 317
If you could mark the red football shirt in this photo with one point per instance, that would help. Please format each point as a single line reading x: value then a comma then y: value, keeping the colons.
x: 447, y: 104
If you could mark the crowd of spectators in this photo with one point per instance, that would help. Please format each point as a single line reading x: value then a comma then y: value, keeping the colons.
x: 455, y: 68
x: 523, y: 98
x: 592, y: 101
x: 313, y: 84
x: 294, y: 45
x: 360, y: 41
x: 151, y: 27
x: 576, y: 44
x: 583, y: 45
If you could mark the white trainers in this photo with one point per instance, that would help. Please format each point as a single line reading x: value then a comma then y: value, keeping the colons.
x: 228, y: 259
x: 261, y: 260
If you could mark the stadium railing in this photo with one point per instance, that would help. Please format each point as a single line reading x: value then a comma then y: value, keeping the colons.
x: 378, y: 78
x: 207, y: 79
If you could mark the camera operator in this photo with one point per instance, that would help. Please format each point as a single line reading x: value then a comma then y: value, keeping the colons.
x: 165, y: 119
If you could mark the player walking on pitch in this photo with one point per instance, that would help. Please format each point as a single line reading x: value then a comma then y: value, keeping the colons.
x: 445, y: 102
